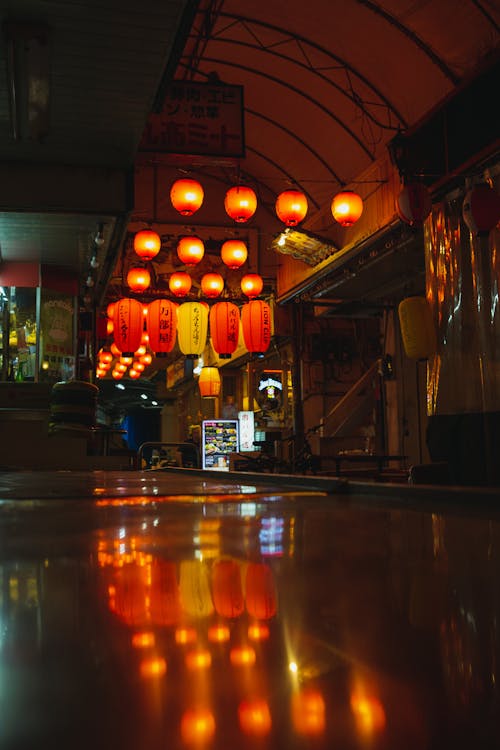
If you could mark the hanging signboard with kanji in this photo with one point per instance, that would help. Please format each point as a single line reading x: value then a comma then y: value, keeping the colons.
x: 198, y: 119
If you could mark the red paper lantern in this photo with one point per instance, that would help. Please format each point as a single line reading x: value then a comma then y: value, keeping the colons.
x: 179, y: 283
x: 347, y: 207
x: 251, y: 285
x: 481, y: 209
x: 116, y: 374
x: 209, y: 382
x: 260, y: 591
x: 192, y: 328
x: 224, y: 328
x: 212, y: 285
x: 147, y: 244
x: 256, y: 324
x: 186, y: 196
x: 110, y: 309
x: 138, y: 279
x: 128, y: 323
x: 234, y: 253
x: 227, y: 589
x: 291, y: 207
x: 414, y: 204
x: 190, y: 250
x: 240, y: 203
x: 162, y: 326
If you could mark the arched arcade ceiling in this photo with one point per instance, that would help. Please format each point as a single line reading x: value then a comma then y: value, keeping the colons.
x: 328, y: 85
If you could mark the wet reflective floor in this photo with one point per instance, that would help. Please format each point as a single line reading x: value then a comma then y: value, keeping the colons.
x: 168, y: 611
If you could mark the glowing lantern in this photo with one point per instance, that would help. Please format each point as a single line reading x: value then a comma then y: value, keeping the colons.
x: 117, y: 375
x: 347, y: 207
x: 126, y: 360
x: 134, y: 374
x: 114, y: 350
x: 162, y: 326
x: 190, y: 250
x: 186, y: 196
x: 240, y: 203
x: 146, y: 359
x: 192, y: 328
x: 138, y: 279
x: 260, y: 591
x: 481, y: 209
x: 147, y: 244
x: 212, y: 285
x: 291, y: 207
x: 138, y: 366
x: 417, y: 328
x: 256, y: 324
x: 128, y: 322
x: 233, y: 253
x: 227, y: 589
x: 224, y: 328
x: 109, y: 327
x: 251, y: 285
x: 179, y: 283
x: 165, y: 605
x: 110, y: 310
x: 105, y: 356
x: 414, y: 204
x: 209, y: 382
x: 120, y: 368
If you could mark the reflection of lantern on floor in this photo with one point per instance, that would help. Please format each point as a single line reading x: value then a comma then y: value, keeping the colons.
x: 130, y: 595
x: 194, y: 587
x: 254, y: 717
x: 227, y: 591
x: 260, y: 591
x: 224, y: 328
x: 164, y: 594
x: 308, y: 712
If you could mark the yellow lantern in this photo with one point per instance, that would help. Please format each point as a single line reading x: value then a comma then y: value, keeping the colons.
x: 417, y: 327
x: 209, y: 382
x: 192, y: 328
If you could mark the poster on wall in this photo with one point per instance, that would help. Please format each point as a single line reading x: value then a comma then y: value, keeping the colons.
x: 219, y: 438
x: 247, y: 430
x: 57, y: 336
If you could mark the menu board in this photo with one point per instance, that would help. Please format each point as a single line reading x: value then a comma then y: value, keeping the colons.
x: 219, y: 438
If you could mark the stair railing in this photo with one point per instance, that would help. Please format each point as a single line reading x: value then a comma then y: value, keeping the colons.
x: 341, y: 412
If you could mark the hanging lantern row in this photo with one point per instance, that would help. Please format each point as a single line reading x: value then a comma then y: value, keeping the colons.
x: 481, y: 208
x: 189, y: 324
x: 240, y: 203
